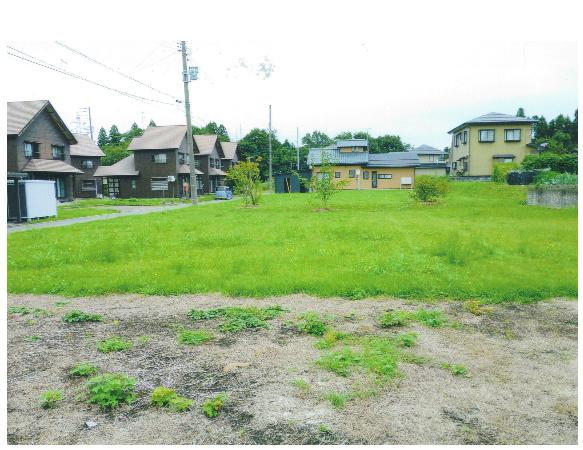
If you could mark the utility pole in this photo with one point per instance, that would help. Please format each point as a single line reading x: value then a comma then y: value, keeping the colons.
x: 298, y: 147
x: 185, y: 79
x: 90, y: 124
x: 270, y: 158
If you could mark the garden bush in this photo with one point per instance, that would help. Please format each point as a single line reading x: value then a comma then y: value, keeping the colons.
x: 311, y: 323
x: 500, y: 171
x: 111, y: 389
x: 429, y: 188
x: 562, y: 163
x: 549, y: 177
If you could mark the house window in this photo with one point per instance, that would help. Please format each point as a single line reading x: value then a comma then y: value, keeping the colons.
x: 385, y: 176
x: 222, y: 165
x: 197, y: 163
x: 184, y: 158
x: 465, y: 139
x: 159, y: 158
x: 351, y: 173
x: 111, y: 187
x: 87, y: 185
x: 133, y: 184
x: 159, y: 183
x: 486, y: 135
x: 336, y: 174
x: 454, y: 165
x: 60, y: 187
x: 365, y: 174
x: 512, y: 135
x: 87, y: 164
x: 432, y: 158
x: 58, y: 152
x: 31, y: 150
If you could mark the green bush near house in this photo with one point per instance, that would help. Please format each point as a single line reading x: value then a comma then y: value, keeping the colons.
x: 561, y: 163
x: 429, y: 188
x: 500, y: 171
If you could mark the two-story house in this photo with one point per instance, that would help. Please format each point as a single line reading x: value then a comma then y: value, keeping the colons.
x: 431, y: 161
x: 352, y: 161
x: 159, y: 165
x: 478, y: 144
x: 39, y: 145
x: 86, y: 156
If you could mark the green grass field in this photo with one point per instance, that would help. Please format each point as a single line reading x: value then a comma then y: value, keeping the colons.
x: 85, y: 202
x: 481, y: 242
x: 66, y: 212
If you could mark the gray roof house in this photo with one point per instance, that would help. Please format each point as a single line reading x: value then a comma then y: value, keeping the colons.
x: 494, y: 118
x: 431, y: 160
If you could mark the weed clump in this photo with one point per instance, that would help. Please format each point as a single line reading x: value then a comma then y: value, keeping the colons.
x: 458, y: 370
x: 111, y: 389
x: 433, y: 318
x: 477, y: 308
x: 394, y: 319
x: 165, y: 397
x: 407, y: 339
x: 114, y: 344
x: 77, y: 316
x: 194, y: 337
x: 330, y: 338
x: 311, y: 323
x: 236, y: 319
x: 83, y: 369
x: 212, y: 406
x: 49, y: 399
x: 338, y: 400
x: 24, y: 310
x: 430, y: 318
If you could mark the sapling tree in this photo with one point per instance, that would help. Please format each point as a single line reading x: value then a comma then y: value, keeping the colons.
x: 246, y: 179
x: 323, y: 183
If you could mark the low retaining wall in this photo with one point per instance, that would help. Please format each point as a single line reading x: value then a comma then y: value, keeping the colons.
x: 552, y: 196
x: 470, y: 178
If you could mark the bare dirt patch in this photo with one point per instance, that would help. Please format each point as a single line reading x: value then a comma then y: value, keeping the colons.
x: 522, y: 388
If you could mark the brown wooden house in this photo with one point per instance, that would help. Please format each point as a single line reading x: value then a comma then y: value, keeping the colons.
x: 86, y: 156
x: 39, y: 146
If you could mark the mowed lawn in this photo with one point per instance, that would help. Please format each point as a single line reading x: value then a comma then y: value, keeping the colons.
x: 481, y: 242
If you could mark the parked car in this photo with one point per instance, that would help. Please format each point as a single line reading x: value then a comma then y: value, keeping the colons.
x: 223, y: 193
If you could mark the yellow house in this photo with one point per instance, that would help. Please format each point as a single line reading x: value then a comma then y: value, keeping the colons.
x: 352, y: 162
x: 478, y: 144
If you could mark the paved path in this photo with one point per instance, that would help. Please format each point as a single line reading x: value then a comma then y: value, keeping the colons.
x: 124, y: 211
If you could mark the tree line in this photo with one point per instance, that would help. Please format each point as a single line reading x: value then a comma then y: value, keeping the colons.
x: 559, y: 134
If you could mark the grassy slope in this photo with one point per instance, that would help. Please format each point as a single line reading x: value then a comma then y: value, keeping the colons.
x: 482, y: 242
x: 72, y: 213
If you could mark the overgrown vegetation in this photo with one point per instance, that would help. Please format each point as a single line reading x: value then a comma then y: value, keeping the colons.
x: 311, y: 323
x: 374, y: 244
x: 550, y: 178
x: 165, y: 397
x: 25, y: 310
x: 500, y: 171
x: 76, y: 316
x: 114, y: 344
x: 236, y: 319
x: 212, y: 406
x: 50, y: 399
x: 83, y: 369
x: 430, y: 318
x: 562, y: 163
x: 111, y: 389
x: 194, y: 337
x: 429, y: 189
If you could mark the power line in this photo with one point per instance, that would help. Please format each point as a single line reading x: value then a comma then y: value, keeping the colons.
x: 40, y: 62
x: 113, y: 69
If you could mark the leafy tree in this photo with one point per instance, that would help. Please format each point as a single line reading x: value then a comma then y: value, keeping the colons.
x: 520, y: 112
x: 114, y: 135
x: 323, y: 183
x: 102, y: 139
x: 256, y: 144
x: 115, y: 153
x: 245, y: 176
x: 152, y: 123
x: 344, y: 135
x: 429, y: 188
x: 316, y: 139
x: 560, y: 134
x: 213, y: 128
x: 388, y: 143
x: 135, y: 130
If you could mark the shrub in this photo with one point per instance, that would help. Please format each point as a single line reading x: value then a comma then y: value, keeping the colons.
x: 212, y: 406
x: 76, y: 316
x: 111, y: 389
x: 500, y: 171
x: 245, y: 177
x: 237, y: 319
x: 394, y: 319
x: 434, y: 318
x: 83, y: 369
x: 194, y: 337
x: 429, y: 188
x: 562, y: 163
x: 548, y: 177
x: 407, y: 340
x: 311, y: 323
x: 330, y: 338
x: 49, y: 399
x: 457, y: 370
x: 114, y: 344
x: 180, y: 404
x: 161, y: 396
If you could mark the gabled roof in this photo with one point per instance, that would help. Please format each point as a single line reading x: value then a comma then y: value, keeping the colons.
x: 185, y: 169
x: 213, y: 171
x: 122, y: 168
x: 49, y: 165
x: 229, y: 149
x: 205, y: 143
x: 494, y: 118
x: 335, y: 156
x: 85, y: 147
x: 393, y: 159
x: 352, y: 143
x: 427, y: 150
x: 159, y: 138
x: 21, y: 114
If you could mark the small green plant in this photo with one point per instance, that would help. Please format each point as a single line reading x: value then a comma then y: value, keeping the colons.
x: 111, y: 389
x: 77, y: 316
x: 338, y: 400
x: 49, y: 399
x: 330, y: 338
x: 236, y: 319
x: 476, y: 308
x: 301, y: 384
x: 114, y: 344
x: 194, y: 337
x: 143, y: 340
x: 429, y: 188
x: 33, y: 338
x: 407, y: 339
x: 458, y: 370
x: 162, y: 397
x: 22, y: 310
x: 434, y: 318
x: 323, y: 428
x: 180, y: 404
x: 212, y: 406
x: 394, y: 319
x: 311, y: 323
x: 61, y: 303
x: 83, y: 369
x: 339, y: 362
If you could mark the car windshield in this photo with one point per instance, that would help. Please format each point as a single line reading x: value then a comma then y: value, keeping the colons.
x: 221, y: 188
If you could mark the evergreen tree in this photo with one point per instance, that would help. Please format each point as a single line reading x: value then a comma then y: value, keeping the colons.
x: 520, y: 112
x: 102, y: 139
x: 152, y: 123
x: 114, y: 135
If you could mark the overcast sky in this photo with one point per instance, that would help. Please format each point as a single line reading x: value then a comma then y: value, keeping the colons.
x: 416, y: 88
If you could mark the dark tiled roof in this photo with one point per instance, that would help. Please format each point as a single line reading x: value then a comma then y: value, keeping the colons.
x: 352, y: 143
x: 335, y: 156
x: 85, y: 147
x: 49, y: 165
x: 123, y: 168
x: 229, y: 149
x: 20, y: 114
x: 494, y: 118
x: 159, y: 138
x: 393, y: 159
